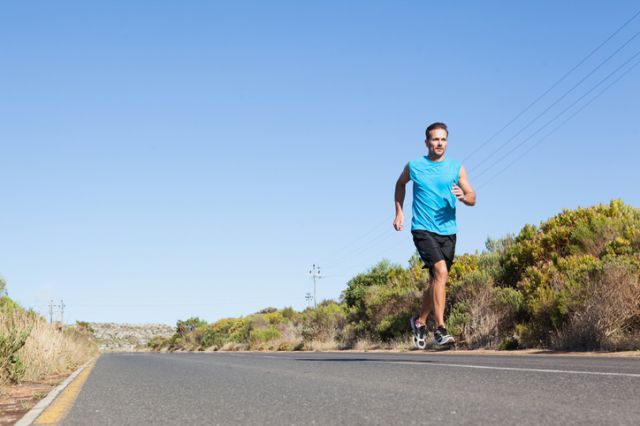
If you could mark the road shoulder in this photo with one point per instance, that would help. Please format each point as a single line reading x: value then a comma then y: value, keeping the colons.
x: 53, y: 408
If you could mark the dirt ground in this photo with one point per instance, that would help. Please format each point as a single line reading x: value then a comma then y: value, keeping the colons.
x: 16, y: 400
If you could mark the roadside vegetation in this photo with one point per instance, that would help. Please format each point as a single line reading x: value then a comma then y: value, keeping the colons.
x: 571, y: 283
x: 31, y: 349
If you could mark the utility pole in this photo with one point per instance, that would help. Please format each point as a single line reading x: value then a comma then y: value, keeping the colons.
x: 62, y: 305
x: 53, y: 308
x: 315, y: 274
x: 308, y: 297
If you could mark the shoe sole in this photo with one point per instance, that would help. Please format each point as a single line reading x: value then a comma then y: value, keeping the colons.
x: 447, y: 344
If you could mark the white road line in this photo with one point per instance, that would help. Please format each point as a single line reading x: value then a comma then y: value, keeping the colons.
x: 485, y: 367
x: 536, y: 370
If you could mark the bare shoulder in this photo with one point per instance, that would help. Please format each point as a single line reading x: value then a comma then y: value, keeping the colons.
x: 463, y: 172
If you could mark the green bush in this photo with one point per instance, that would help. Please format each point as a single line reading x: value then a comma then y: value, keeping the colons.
x: 158, y: 343
x: 84, y: 326
x: 389, y: 308
x: 553, y: 265
x: 459, y: 321
x: 187, y: 326
x: 380, y: 302
x: 289, y: 313
x: 608, y: 316
x: 325, y: 322
x: 509, y: 344
x: 14, y: 332
x: 263, y: 335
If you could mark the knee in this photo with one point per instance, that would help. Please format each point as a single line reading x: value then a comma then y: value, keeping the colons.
x: 440, y: 271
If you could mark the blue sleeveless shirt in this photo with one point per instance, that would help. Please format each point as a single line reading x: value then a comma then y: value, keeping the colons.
x: 434, y: 205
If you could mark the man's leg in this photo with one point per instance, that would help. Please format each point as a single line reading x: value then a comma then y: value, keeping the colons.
x: 437, y: 287
x: 430, y: 248
x: 427, y: 300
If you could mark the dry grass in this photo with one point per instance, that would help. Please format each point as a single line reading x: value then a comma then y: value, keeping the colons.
x: 316, y: 345
x: 46, y: 350
x: 290, y: 340
x: 367, y: 345
x: 281, y: 344
x: 397, y: 345
x: 610, y: 317
x: 233, y: 346
x: 49, y: 351
x: 401, y: 345
x: 321, y: 345
x: 483, y: 327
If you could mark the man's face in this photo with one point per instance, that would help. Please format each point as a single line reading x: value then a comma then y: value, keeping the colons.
x: 437, y: 142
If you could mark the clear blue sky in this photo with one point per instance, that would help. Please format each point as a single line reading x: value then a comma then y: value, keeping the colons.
x: 160, y: 160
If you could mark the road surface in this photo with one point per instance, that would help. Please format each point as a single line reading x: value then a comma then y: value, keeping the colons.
x: 357, y: 388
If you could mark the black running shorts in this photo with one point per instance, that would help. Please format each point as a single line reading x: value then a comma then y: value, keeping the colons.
x: 434, y: 247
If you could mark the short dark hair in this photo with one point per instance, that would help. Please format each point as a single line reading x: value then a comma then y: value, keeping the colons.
x: 436, y: 125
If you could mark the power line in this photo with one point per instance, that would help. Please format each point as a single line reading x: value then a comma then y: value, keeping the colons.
x: 343, y: 269
x: 558, y: 100
x: 342, y: 252
x: 382, y: 237
x: 374, y: 228
x: 553, y: 86
x: 560, y: 114
x: 593, y: 99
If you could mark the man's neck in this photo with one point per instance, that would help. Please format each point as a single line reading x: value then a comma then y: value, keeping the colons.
x: 435, y: 158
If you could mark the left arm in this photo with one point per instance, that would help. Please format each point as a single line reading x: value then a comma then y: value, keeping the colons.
x: 463, y: 191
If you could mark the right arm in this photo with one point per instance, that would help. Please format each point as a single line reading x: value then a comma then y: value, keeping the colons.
x: 405, y: 177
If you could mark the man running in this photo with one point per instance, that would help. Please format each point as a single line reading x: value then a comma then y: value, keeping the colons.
x: 437, y: 182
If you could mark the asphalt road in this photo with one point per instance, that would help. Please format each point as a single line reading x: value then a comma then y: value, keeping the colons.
x: 357, y: 388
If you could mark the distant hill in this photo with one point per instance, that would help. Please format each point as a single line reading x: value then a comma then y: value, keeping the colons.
x: 114, y: 337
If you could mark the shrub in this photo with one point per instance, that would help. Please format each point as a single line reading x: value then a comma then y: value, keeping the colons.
x: 263, y: 335
x: 609, y: 316
x: 84, y: 326
x: 289, y: 313
x: 380, y: 302
x: 354, y: 295
x: 324, y: 322
x: 14, y: 331
x: 552, y: 292
x: 482, y: 315
x: 390, y: 307
x: 187, y: 326
x: 158, y: 343
x: 509, y: 344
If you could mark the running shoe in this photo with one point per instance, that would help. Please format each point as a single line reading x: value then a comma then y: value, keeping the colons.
x: 442, y: 338
x: 419, y: 333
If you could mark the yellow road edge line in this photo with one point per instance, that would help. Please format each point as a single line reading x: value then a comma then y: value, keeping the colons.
x: 61, y: 406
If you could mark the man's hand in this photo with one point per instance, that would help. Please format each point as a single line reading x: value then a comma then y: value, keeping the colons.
x: 398, y: 223
x: 405, y: 176
x: 458, y: 192
x: 464, y: 193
